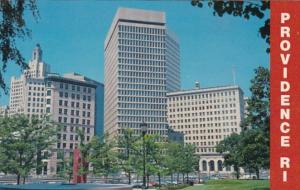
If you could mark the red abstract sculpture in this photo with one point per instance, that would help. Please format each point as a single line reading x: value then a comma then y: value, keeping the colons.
x: 77, y: 164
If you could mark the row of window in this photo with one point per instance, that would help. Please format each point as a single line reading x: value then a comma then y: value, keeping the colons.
x: 186, y: 115
x: 143, y: 87
x: 74, y: 104
x: 141, y: 56
x: 73, y: 120
x: 142, y: 112
x: 78, y: 96
x: 145, y: 50
x: 142, y: 106
x: 135, y: 68
x: 73, y: 112
x: 195, y: 102
x: 203, y: 107
x: 75, y: 87
x: 141, y: 62
x: 140, y: 119
x: 138, y: 29
x: 157, y: 100
x: 144, y: 37
x: 204, y: 95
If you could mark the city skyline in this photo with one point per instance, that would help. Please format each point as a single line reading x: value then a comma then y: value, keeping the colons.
x: 83, y: 39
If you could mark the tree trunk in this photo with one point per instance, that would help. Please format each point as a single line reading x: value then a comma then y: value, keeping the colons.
x: 182, y: 177
x: 23, y: 180
x: 147, y: 181
x: 129, y: 178
x: 177, y: 178
x: 18, y: 179
x: 159, y: 181
x: 187, y: 177
x: 257, y: 173
x: 172, y: 177
x: 237, y: 170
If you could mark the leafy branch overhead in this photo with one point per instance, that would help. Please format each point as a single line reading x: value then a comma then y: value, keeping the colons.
x: 243, y: 9
x: 13, y: 27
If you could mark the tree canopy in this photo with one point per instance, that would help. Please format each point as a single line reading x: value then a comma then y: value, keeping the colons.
x: 21, y: 140
x: 13, y: 27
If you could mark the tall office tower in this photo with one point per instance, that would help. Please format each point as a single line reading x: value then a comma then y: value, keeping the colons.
x: 141, y: 65
x: 27, y: 92
x: 206, y: 116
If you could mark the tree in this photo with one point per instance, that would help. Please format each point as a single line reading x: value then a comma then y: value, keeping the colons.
x: 173, y: 159
x: 254, y: 151
x: 244, y: 9
x: 103, y: 156
x: 231, y: 149
x: 84, y: 149
x: 126, y: 151
x: 65, y: 166
x: 21, y: 139
x: 256, y: 125
x: 188, y: 159
x: 13, y: 27
x: 156, y: 156
x: 258, y: 109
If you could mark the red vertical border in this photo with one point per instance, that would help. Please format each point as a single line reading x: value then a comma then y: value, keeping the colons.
x: 293, y: 66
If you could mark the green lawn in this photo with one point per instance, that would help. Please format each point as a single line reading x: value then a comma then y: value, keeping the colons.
x: 233, y: 185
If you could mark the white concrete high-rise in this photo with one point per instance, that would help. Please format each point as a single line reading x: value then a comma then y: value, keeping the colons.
x: 141, y: 66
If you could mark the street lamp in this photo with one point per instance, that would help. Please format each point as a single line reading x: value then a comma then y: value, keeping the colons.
x: 144, y: 131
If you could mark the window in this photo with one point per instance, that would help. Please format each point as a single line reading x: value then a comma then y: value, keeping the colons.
x: 48, y: 101
x: 48, y: 92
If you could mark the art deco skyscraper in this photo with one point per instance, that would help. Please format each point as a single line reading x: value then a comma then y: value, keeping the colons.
x: 141, y: 66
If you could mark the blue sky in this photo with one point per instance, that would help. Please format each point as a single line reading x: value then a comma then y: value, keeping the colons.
x: 72, y: 33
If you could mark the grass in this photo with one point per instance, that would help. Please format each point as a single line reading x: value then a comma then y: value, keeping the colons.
x: 233, y: 185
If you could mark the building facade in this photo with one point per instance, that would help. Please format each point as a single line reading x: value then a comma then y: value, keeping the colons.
x: 141, y: 65
x: 72, y: 100
x: 206, y: 116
